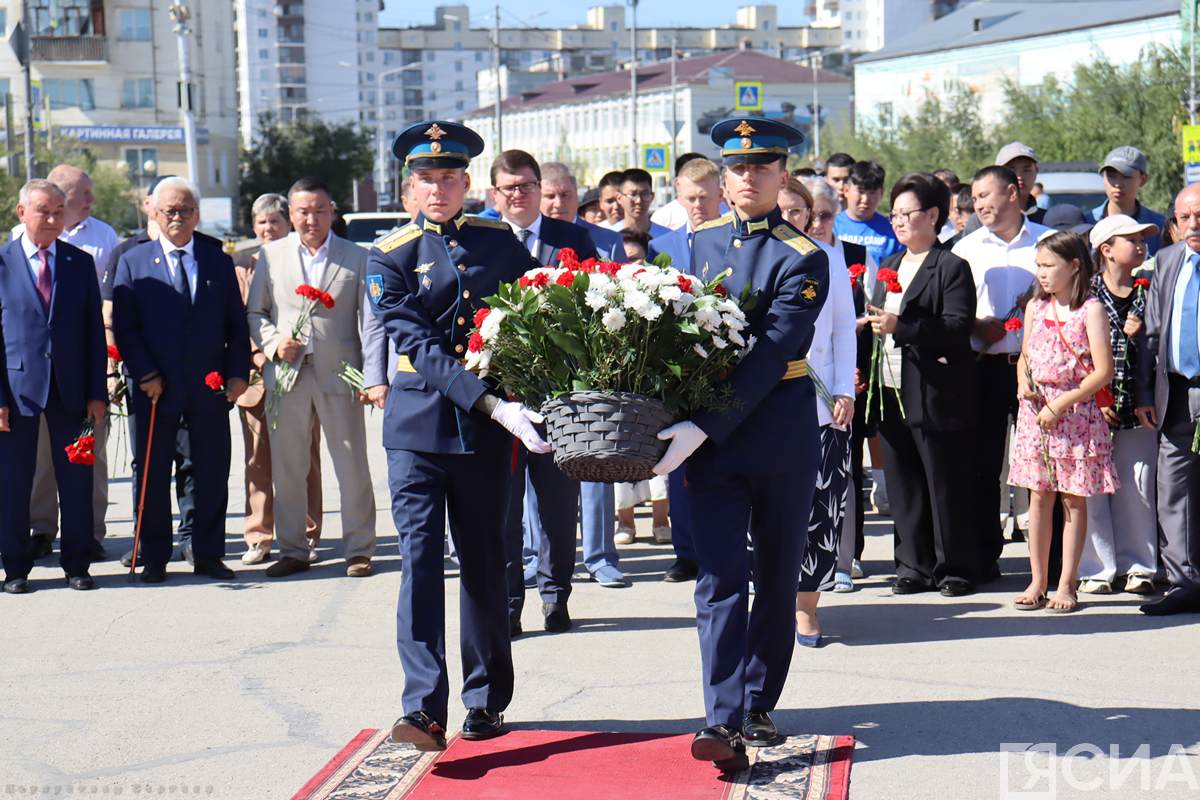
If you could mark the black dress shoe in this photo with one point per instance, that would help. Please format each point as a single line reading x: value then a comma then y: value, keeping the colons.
x: 989, y: 573
x: 1175, y: 601
x: 96, y: 552
x: 154, y: 573
x: 81, y: 583
x: 17, y: 586
x: 557, y: 618
x: 482, y: 724
x: 721, y: 745
x: 909, y: 586
x: 758, y: 730
x: 40, y: 546
x: 214, y: 568
x: 684, y: 569
x: 421, y: 731
x: 514, y: 627
x: 955, y: 587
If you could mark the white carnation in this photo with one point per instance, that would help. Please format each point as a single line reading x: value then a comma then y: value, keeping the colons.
x: 625, y: 273
x: 600, y: 282
x: 719, y: 343
x: 596, y: 299
x: 727, y: 306
x: 736, y: 338
x: 708, y: 318
x: 491, y: 325
x: 700, y: 351
x: 636, y: 298
x: 669, y: 293
x: 650, y: 311
x: 733, y: 322
x: 613, y: 320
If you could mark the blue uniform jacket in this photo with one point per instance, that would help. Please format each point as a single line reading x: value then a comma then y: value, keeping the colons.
x: 769, y: 418
x: 609, y: 245
x: 156, y: 331
x: 425, y: 282
x: 68, y: 345
x: 674, y: 244
x: 556, y: 234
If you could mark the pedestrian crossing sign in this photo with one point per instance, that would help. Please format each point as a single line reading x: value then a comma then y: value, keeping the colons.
x: 654, y: 157
x: 747, y: 95
x: 1191, y: 144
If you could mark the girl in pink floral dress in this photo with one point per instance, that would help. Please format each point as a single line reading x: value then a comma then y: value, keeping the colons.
x: 1062, y: 445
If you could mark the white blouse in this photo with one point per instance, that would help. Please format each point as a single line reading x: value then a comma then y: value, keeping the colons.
x: 832, y: 353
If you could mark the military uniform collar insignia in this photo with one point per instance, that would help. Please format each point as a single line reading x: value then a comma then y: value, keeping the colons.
x: 761, y: 224
x: 447, y: 228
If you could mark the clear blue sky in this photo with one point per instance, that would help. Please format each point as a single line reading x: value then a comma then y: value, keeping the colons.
x: 515, y: 13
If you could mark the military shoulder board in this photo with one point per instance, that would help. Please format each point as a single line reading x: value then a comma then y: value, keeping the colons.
x: 402, y: 236
x: 718, y: 222
x: 794, y: 239
x: 484, y: 222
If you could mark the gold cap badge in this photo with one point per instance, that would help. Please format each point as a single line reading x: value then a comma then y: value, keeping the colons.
x: 436, y: 133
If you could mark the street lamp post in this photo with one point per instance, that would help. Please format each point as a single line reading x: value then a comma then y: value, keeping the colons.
x: 181, y: 15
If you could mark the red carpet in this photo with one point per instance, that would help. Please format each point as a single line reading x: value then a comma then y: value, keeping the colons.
x: 579, y: 765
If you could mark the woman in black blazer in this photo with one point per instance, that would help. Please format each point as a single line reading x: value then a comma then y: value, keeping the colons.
x: 927, y: 329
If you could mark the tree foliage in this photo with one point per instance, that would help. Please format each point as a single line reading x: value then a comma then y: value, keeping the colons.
x: 334, y: 153
x: 1103, y: 106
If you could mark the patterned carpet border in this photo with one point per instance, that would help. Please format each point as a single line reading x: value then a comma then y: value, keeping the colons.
x: 373, y: 767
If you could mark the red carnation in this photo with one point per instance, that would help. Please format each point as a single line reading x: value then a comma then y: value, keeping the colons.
x: 524, y: 282
x: 894, y: 287
x: 480, y: 316
x: 565, y: 279
x: 326, y: 299
x: 685, y: 284
x: 87, y: 458
x: 114, y: 354
x: 1141, y: 283
x: 720, y: 289
x: 475, y: 343
x: 886, y: 275
x: 87, y: 442
x: 308, y: 292
x: 856, y: 270
x: 540, y: 280
x: 588, y: 265
x: 1013, y: 324
x: 610, y: 268
x: 567, y: 257
x: 214, y: 381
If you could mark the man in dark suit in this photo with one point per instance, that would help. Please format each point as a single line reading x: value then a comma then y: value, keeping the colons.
x: 516, y: 179
x: 560, y: 200
x: 177, y: 317
x: 52, y: 349
x: 1168, y: 400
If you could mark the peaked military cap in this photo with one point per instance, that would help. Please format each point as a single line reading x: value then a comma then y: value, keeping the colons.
x: 437, y: 143
x: 754, y: 140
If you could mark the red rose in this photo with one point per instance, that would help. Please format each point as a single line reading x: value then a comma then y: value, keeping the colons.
x: 894, y: 287
x: 886, y: 275
x: 540, y: 280
x: 588, y: 265
x: 685, y: 284
x: 480, y: 316
x: 567, y: 257
x: 720, y: 289
x: 524, y: 282
x: 475, y: 343
x: 1141, y: 283
x: 1013, y: 324
x: 214, y: 381
x: 565, y: 279
x: 114, y: 354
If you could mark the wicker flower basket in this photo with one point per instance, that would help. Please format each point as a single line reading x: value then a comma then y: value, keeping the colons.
x: 606, y: 437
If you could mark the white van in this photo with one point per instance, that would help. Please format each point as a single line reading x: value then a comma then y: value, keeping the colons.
x: 367, y: 227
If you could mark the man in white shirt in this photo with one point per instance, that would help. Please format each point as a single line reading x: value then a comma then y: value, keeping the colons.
x: 1002, y: 258
x: 97, y: 239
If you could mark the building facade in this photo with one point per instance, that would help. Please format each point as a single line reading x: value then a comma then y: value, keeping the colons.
x: 106, y: 72
x: 299, y: 57
x: 870, y: 25
x: 986, y: 44
x: 586, y: 122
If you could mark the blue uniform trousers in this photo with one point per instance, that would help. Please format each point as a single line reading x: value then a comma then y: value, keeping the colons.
x: 18, y: 456
x: 204, y: 422
x: 598, y: 525
x: 474, y: 490
x: 680, y: 512
x: 745, y: 652
x: 553, y: 510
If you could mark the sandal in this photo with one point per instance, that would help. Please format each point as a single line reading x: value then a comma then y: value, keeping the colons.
x: 1038, y: 602
x: 1071, y: 609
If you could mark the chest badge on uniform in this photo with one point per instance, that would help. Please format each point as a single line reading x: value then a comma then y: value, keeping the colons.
x: 375, y: 288
x: 423, y: 268
x: 426, y: 282
x: 810, y: 290
x: 704, y: 272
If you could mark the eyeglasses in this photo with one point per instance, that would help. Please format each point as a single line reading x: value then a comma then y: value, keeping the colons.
x: 896, y: 216
x: 177, y: 213
x: 640, y: 195
x: 529, y: 187
x: 822, y: 216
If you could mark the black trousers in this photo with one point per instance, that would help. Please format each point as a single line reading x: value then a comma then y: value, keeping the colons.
x: 558, y: 510
x: 996, y: 380
x: 858, y: 438
x: 931, y: 493
x: 185, y: 483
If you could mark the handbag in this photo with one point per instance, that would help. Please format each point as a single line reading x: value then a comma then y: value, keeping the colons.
x: 1104, y: 396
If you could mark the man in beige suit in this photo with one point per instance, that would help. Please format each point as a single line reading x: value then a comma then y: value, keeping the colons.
x: 312, y: 255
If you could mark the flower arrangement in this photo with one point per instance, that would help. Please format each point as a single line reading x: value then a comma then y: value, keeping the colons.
x: 285, y: 373
x: 82, y: 450
x: 648, y: 329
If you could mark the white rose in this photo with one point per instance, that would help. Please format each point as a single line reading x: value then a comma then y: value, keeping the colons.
x: 613, y: 320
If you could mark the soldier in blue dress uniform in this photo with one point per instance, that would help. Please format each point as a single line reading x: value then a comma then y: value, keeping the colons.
x: 445, y: 450
x: 752, y: 466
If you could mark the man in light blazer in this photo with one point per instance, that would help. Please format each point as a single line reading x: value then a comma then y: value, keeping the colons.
x: 313, y: 255
x: 1168, y: 400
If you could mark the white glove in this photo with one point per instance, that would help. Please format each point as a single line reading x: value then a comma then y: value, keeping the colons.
x: 685, y: 438
x: 519, y: 421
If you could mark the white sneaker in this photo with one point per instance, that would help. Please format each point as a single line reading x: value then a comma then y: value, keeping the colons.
x: 257, y: 553
x: 842, y: 583
x: 856, y: 570
x: 625, y: 535
x: 662, y: 534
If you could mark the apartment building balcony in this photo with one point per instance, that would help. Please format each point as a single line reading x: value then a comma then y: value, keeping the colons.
x: 71, y: 49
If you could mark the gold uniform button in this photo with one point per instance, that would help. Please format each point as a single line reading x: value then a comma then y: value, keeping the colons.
x: 466, y: 294
x: 462, y: 320
x: 737, y: 243
x: 462, y: 267
x: 458, y: 348
x: 453, y: 243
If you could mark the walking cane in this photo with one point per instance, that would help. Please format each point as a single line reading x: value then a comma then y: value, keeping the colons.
x: 137, y: 531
